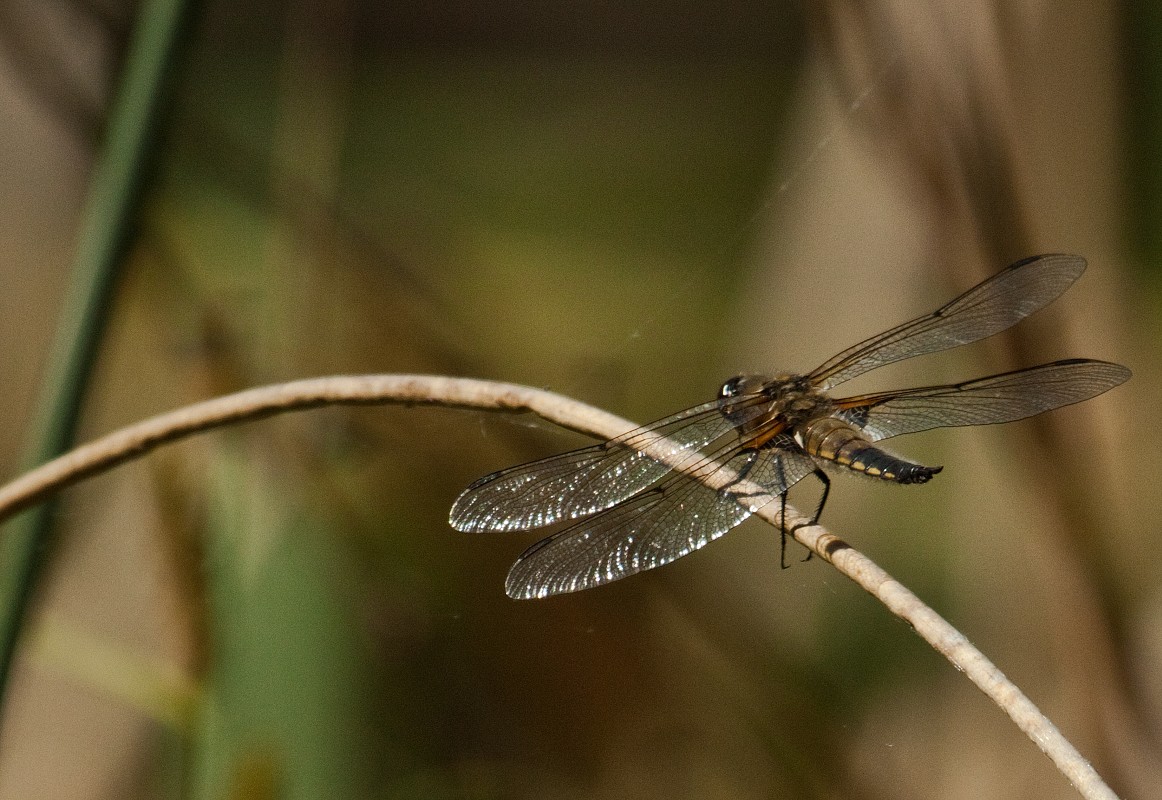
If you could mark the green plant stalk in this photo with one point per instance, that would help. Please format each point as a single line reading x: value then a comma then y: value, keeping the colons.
x: 115, y: 192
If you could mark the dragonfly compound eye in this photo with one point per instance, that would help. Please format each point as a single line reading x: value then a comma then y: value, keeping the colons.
x: 732, y: 387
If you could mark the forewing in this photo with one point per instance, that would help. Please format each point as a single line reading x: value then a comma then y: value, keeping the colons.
x: 582, y: 482
x: 677, y: 517
x: 988, y: 308
x: 985, y: 401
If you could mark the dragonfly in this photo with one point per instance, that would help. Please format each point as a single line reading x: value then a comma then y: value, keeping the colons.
x: 632, y: 510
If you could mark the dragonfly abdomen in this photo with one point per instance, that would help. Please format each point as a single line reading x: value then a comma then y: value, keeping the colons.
x: 844, y: 444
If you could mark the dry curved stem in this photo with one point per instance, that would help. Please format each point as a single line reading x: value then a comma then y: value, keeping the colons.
x: 138, y: 439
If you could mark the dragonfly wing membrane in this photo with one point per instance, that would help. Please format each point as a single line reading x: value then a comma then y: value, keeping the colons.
x: 583, y: 481
x: 986, y: 401
x: 988, y: 308
x: 677, y: 517
x: 642, y: 533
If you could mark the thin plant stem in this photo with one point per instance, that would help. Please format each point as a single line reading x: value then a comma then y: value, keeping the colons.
x: 136, y: 440
x: 110, y: 211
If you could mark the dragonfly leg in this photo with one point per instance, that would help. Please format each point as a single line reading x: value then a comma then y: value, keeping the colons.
x: 826, y: 481
x: 783, y: 530
x: 781, y: 474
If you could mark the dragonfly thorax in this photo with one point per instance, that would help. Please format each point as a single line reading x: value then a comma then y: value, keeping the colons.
x: 758, y: 403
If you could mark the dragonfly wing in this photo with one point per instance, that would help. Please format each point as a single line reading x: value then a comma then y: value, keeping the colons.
x: 990, y: 307
x: 779, y: 466
x: 581, y: 482
x: 998, y: 398
x: 677, y: 517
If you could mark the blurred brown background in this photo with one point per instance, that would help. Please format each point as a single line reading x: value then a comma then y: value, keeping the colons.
x: 627, y: 205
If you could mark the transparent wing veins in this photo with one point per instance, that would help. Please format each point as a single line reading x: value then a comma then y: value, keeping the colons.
x: 680, y: 515
x: 988, y: 308
x: 999, y: 398
x: 591, y: 479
